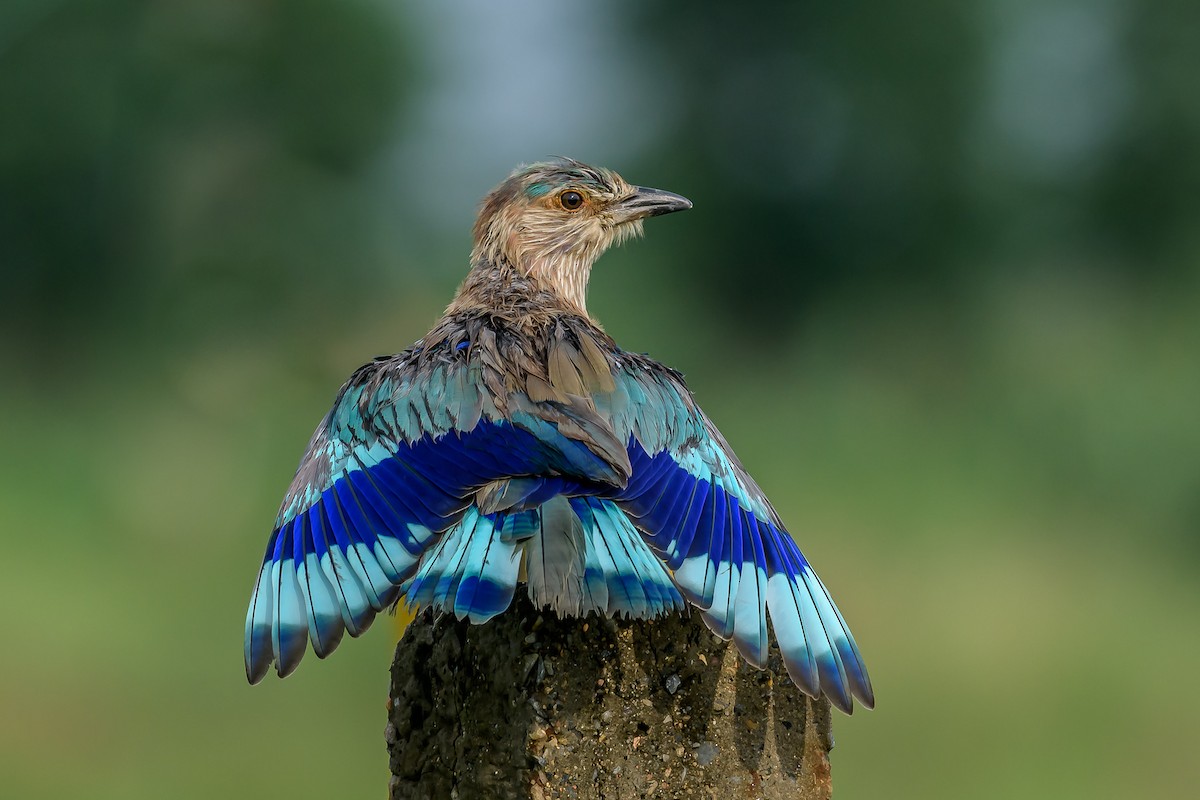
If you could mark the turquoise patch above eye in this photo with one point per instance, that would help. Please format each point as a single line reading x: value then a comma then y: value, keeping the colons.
x: 538, y: 189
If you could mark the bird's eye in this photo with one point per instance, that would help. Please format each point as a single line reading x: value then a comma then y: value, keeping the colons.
x: 571, y: 200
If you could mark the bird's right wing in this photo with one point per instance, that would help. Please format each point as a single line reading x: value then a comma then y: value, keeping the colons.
x: 710, y: 523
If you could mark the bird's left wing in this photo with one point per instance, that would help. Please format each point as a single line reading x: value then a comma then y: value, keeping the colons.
x: 397, y: 461
x: 709, y: 522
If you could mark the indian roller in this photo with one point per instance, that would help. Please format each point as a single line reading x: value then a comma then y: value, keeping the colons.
x: 517, y: 442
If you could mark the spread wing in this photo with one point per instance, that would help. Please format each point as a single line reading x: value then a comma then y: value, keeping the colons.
x: 710, y: 523
x: 396, y: 462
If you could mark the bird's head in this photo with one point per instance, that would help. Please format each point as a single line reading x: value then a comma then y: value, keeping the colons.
x: 552, y: 220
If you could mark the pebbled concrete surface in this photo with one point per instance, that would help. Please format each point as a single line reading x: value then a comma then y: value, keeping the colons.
x: 531, y: 706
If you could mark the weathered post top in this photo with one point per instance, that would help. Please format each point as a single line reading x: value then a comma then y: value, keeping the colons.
x: 531, y: 706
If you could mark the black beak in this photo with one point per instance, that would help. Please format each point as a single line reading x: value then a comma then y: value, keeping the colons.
x: 647, y: 202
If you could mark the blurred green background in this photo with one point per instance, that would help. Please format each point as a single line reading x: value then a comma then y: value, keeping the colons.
x: 941, y: 289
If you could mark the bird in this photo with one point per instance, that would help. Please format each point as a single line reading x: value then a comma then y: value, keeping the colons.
x: 516, y: 441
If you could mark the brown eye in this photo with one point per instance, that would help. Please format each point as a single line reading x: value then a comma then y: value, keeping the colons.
x: 571, y: 200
